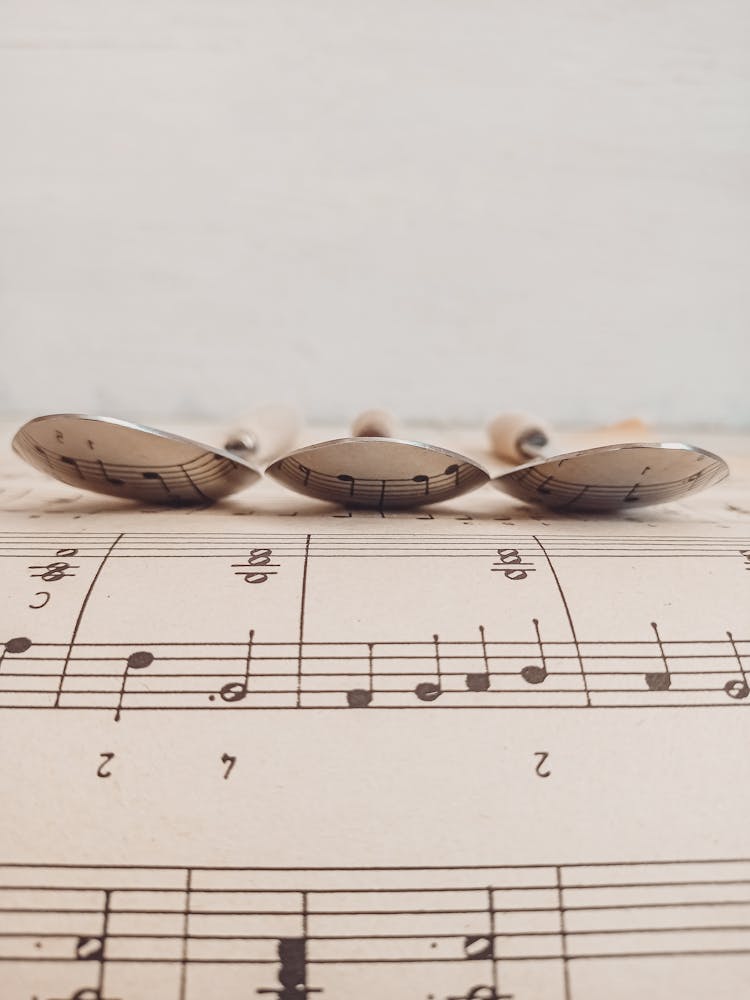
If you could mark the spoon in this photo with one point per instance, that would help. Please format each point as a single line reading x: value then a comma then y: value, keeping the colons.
x: 374, y: 469
x: 614, y: 477
x: 125, y: 459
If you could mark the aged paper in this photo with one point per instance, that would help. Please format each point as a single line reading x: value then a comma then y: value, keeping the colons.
x: 280, y: 748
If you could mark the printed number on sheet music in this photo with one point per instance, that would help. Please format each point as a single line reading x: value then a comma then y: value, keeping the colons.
x: 541, y: 769
x: 103, y: 770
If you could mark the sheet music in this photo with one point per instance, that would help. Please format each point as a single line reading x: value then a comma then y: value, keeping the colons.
x: 275, y: 747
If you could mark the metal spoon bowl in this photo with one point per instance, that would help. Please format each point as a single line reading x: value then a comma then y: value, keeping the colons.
x: 378, y: 472
x: 129, y: 460
x: 615, y: 477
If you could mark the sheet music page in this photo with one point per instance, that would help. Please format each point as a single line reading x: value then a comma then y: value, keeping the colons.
x: 279, y: 748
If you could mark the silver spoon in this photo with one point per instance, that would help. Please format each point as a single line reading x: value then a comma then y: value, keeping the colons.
x: 374, y: 469
x: 124, y: 459
x: 610, y: 478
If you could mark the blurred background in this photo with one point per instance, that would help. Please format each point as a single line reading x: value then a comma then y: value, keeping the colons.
x: 445, y: 207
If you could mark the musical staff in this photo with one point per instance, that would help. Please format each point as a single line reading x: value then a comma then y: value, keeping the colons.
x: 201, y: 544
x: 564, y: 931
x: 406, y: 674
x: 282, y: 643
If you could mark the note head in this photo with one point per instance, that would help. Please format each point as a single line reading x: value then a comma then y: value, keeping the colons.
x: 19, y: 644
x: 140, y: 660
x: 534, y: 674
x: 358, y: 698
x: 478, y: 682
x: 658, y: 682
x: 428, y: 691
x: 737, y: 689
x: 234, y: 691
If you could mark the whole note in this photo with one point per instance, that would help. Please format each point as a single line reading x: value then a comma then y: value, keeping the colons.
x: 478, y: 947
x: 89, y: 949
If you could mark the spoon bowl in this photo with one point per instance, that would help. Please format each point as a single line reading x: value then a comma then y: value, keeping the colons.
x: 378, y: 472
x: 123, y: 459
x: 614, y: 477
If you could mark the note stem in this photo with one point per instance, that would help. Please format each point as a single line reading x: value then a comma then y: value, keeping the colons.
x: 533, y: 673
x: 136, y: 661
x: 431, y: 690
x: 661, y: 680
x: 480, y: 682
x: 105, y: 931
x: 361, y: 697
x: 737, y: 689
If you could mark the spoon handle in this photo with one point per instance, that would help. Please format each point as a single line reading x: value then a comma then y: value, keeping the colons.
x: 374, y: 423
x: 265, y: 432
x: 517, y: 437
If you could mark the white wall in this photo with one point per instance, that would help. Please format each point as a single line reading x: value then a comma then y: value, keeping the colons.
x: 444, y: 206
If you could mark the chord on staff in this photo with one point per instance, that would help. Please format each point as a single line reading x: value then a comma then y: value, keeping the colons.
x: 462, y: 933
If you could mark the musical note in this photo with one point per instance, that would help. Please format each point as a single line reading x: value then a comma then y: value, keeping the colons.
x: 543, y: 488
x: 136, y: 661
x: 74, y: 463
x: 631, y: 496
x: 478, y: 947
x: 346, y: 479
x: 480, y: 682
x: 106, y: 475
x: 661, y: 681
x: 481, y: 993
x: 89, y: 949
x: 533, y: 673
x: 292, y: 971
x: 17, y: 645
x: 431, y: 690
x: 425, y: 480
x: 737, y: 689
x: 359, y: 697
x: 453, y: 470
x: 156, y: 476
x: 237, y: 690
